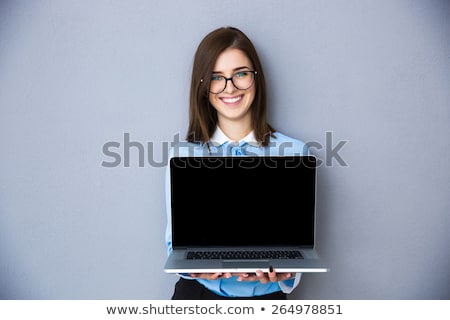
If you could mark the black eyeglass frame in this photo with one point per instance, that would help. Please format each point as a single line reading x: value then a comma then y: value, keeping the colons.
x: 254, y: 72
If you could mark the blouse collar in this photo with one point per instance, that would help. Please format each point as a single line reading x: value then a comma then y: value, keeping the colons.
x: 219, y: 138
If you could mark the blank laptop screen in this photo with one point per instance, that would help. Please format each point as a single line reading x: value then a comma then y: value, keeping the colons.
x: 243, y: 201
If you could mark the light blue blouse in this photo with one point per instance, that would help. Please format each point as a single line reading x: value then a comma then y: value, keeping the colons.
x: 279, y: 145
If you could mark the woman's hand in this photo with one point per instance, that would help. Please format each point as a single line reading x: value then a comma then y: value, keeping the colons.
x: 270, y: 276
x: 211, y: 276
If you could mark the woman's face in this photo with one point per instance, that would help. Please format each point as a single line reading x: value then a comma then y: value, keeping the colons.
x: 232, y: 103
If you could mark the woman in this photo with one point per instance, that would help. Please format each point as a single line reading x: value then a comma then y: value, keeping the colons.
x: 228, y: 116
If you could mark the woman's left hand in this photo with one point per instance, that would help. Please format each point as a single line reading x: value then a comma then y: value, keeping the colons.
x: 271, y: 276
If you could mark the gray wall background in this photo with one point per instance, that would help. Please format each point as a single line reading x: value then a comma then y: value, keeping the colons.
x: 75, y: 75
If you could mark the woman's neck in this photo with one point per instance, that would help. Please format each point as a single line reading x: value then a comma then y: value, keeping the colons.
x: 234, y: 130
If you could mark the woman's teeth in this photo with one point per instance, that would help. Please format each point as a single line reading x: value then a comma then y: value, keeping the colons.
x: 232, y: 100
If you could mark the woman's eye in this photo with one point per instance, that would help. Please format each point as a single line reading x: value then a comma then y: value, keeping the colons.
x: 241, y: 74
x: 216, y: 78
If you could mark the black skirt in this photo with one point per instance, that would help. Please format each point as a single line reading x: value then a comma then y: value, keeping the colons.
x: 193, y: 290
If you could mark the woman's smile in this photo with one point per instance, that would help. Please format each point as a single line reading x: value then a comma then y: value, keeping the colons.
x: 232, y: 100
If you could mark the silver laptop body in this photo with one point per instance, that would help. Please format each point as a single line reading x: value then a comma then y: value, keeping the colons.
x: 242, y: 214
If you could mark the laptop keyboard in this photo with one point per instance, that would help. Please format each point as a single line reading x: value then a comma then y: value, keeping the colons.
x: 244, y: 255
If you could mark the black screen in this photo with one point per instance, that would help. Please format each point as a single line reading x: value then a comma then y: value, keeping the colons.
x: 243, y: 201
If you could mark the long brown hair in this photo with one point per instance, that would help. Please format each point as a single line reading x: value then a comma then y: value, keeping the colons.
x: 202, y: 116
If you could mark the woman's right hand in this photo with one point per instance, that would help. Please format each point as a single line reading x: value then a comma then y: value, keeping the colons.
x: 211, y: 276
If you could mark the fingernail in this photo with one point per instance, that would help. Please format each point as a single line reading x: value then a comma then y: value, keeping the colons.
x: 270, y: 269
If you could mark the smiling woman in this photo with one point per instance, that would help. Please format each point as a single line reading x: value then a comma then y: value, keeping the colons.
x: 232, y: 102
x: 228, y: 116
x: 223, y: 54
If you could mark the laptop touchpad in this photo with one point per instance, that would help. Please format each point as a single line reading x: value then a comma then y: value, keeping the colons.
x: 245, y: 264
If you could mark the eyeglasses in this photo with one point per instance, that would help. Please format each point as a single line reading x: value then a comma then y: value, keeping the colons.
x: 241, y: 80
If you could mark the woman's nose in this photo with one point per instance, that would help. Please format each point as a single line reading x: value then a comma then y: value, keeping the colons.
x: 229, y: 86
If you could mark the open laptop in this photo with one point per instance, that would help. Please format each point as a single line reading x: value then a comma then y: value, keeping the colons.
x: 242, y: 214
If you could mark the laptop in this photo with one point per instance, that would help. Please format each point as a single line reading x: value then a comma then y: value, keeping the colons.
x: 242, y: 214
